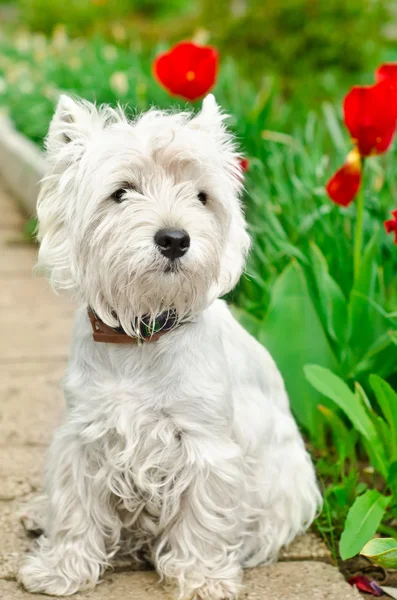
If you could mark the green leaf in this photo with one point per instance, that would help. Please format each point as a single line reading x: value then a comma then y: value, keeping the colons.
x: 366, y: 279
x: 360, y: 308
x: 343, y: 438
x: 362, y: 521
x: 333, y: 387
x: 392, y: 480
x: 332, y: 301
x: 293, y: 333
x: 382, y: 551
x: 381, y: 357
x: 382, y: 346
x: 384, y: 435
x: 387, y: 399
x: 334, y: 128
x: 382, y: 428
x: 360, y: 393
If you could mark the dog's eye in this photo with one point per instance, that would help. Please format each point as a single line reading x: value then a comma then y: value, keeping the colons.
x: 118, y: 195
x: 202, y: 196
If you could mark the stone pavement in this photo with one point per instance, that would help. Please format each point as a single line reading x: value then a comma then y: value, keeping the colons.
x: 34, y: 337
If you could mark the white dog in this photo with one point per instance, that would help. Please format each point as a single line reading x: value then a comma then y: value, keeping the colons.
x: 179, y: 444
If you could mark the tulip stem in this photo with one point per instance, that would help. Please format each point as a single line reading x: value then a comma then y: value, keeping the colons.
x: 358, y: 235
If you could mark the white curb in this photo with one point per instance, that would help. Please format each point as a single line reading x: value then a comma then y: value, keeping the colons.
x: 22, y: 165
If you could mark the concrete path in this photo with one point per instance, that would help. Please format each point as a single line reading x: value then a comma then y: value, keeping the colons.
x: 34, y: 336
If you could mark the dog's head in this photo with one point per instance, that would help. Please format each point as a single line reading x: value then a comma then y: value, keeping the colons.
x: 139, y: 217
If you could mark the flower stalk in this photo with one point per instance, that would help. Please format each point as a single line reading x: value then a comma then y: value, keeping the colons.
x: 358, y: 234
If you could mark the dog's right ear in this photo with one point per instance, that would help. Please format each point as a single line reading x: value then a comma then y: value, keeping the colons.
x: 210, y: 118
x: 72, y: 123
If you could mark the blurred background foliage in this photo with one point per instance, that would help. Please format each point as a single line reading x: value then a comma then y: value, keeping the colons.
x: 298, y: 37
x: 294, y: 38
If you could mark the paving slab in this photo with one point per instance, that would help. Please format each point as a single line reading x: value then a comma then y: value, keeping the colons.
x: 17, y: 256
x: 307, y: 547
x: 11, y: 216
x: 35, y: 323
x: 14, y: 541
x: 21, y: 471
x: 31, y: 402
x: 305, y: 580
x: 282, y: 581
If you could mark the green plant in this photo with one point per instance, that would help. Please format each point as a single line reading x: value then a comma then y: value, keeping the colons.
x: 363, y: 519
x: 382, y: 551
x: 376, y: 424
x: 328, y: 326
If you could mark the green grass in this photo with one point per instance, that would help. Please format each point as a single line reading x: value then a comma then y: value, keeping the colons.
x: 297, y: 295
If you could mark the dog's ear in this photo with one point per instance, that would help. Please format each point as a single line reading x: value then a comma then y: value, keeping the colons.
x: 210, y: 118
x: 73, y: 121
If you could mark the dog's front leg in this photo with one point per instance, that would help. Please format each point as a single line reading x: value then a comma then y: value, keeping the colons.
x: 72, y: 554
x: 200, y: 551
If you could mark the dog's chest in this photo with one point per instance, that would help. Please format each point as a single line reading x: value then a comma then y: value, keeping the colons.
x: 146, y: 410
x: 152, y: 467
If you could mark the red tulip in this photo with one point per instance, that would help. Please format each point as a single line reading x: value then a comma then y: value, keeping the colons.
x: 187, y: 70
x: 387, y: 71
x: 345, y: 183
x: 391, y: 225
x: 244, y: 164
x: 370, y: 114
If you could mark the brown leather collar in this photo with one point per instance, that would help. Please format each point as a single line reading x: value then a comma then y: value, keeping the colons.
x: 103, y: 333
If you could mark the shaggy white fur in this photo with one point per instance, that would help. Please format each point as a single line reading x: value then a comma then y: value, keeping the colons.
x: 184, y: 450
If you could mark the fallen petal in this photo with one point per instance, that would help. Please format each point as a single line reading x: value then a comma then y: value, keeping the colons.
x: 364, y: 584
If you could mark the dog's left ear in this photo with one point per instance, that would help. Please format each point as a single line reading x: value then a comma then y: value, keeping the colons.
x: 210, y: 118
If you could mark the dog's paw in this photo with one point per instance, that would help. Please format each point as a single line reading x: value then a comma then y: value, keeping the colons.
x: 32, y: 515
x: 32, y: 524
x: 218, y: 589
x: 38, y: 577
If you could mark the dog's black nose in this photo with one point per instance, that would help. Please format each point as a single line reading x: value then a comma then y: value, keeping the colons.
x: 172, y: 243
